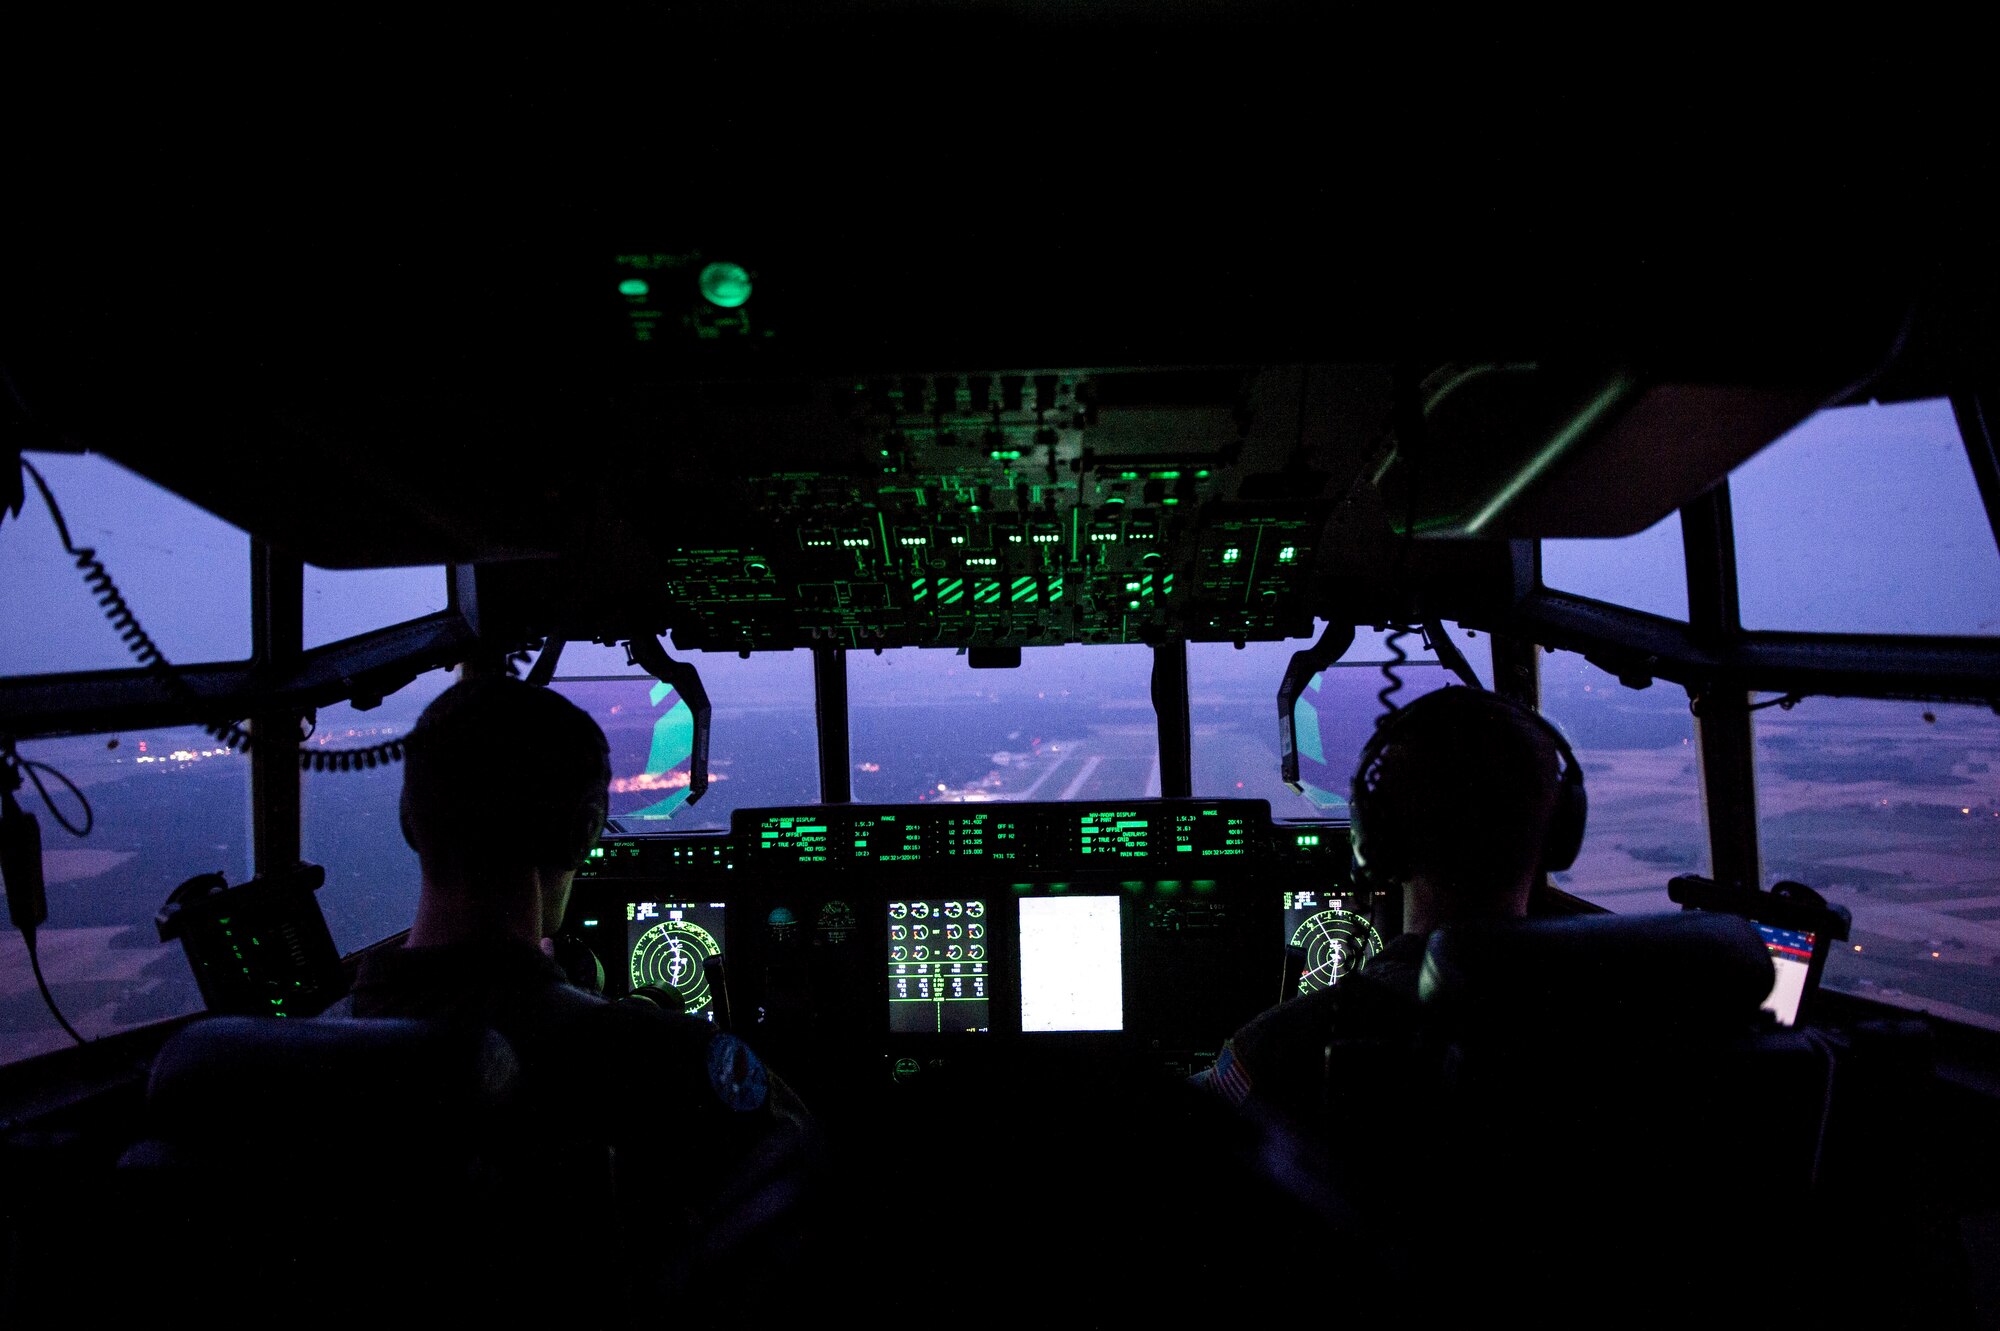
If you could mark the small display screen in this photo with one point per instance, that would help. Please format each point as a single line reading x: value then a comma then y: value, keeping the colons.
x: 1072, y: 971
x: 1791, y: 956
x: 670, y: 942
x: 938, y: 952
x: 1325, y: 940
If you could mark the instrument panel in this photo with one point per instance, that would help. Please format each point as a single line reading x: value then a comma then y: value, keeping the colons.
x: 894, y: 932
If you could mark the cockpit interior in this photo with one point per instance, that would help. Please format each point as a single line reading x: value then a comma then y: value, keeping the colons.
x: 899, y: 352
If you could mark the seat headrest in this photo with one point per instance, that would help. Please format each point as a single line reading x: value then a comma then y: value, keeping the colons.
x: 1688, y: 971
x: 226, y: 1079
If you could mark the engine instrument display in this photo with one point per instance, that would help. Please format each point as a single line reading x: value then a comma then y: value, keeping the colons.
x: 1326, y: 940
x: 938, y: 955
x: 670, y: 942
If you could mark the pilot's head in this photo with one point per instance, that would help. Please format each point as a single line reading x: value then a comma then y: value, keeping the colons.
x: 503, y: 780
x: 1465, y: 797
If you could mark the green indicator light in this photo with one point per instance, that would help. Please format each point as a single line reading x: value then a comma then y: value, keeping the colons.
x: 633, y: 286
x: 1288, y: 554
x: 1166, y: 475
x: 1201, y: 475
x: 725, y: 284
x: 1170, y: 501
x: 1133, y: 606
x: 597, y: 853
x: 1231, y: 555
x: 590, y: 924
x: 1128, y: 475
x: 1005, y: 455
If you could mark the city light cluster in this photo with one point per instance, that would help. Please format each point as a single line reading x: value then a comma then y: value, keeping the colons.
x: 645, y: 781
x: 186, y: 755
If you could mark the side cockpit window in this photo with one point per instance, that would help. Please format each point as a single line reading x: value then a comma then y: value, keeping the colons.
x: 167, y: 803
x: 1892, y: 809
x: 1638, y: 746
x: 342, y: 603
x: 1866, y: 519
x: 1645, y: 571
x: 182, y: 572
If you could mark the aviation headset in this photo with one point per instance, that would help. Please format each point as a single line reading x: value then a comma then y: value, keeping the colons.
x: 1384, y: 844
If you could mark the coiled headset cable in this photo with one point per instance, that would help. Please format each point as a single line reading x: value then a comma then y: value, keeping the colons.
x: 231, y: 734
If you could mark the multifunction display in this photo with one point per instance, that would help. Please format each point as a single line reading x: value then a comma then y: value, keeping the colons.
x: 939, y: 953
x: 671, y: 943
x: 1072, y: 964
x: 1791, y: 960
x: 1325, y: 939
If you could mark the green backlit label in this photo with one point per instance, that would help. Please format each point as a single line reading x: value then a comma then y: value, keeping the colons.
x: 1122, y: 833
x: 799, y: 838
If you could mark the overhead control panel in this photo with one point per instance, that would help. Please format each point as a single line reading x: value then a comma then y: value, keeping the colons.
x: 992, y: 509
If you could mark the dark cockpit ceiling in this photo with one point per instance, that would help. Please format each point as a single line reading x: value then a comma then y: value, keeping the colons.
x: 1168, y: 340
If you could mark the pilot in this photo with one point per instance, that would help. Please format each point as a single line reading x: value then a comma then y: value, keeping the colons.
x: 505, y: 790
x: 1461, y: 799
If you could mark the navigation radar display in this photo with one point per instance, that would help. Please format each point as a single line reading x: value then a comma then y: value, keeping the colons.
x: 937, y: 953
x: 670, y: 940
x: 1328, y: 941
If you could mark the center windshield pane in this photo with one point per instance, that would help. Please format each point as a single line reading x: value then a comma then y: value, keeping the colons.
x: 1070, y: 723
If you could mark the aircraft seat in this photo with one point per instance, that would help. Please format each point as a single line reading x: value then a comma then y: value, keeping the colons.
x: 341, y: 1165
x: 1597, y: 1116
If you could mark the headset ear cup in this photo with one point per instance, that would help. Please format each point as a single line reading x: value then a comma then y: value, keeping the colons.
x: 1378, y: 846
x: 1564, y: 838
